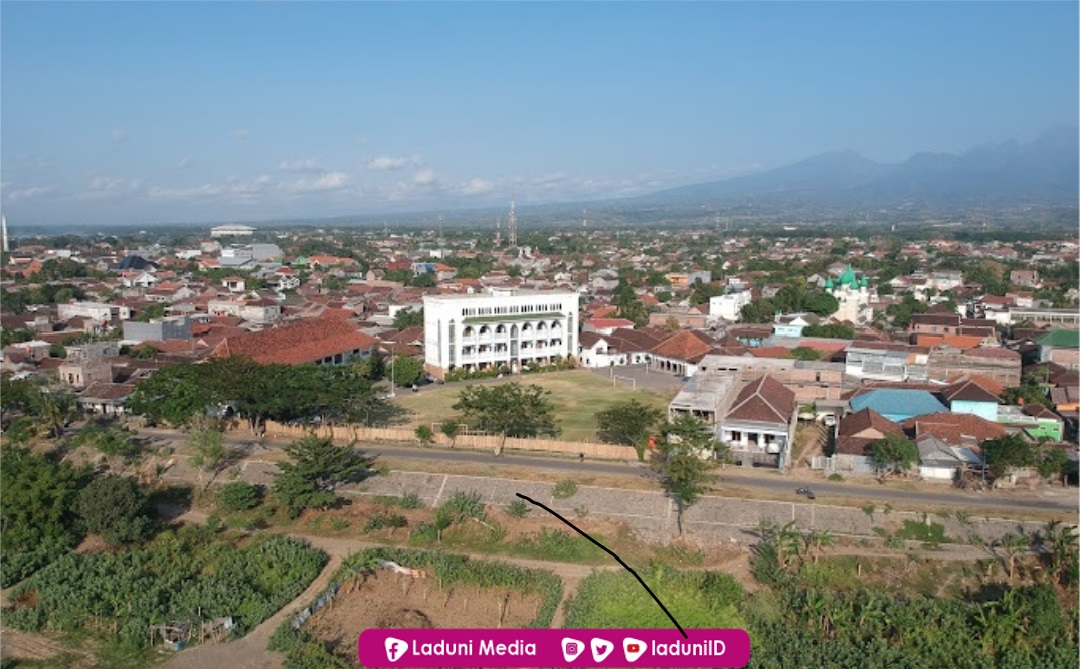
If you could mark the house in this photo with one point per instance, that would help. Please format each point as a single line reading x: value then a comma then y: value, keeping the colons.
x: 1061, y: 347
x: 955, y: 429
x: 791, y: 325
x: 972, y: 397
x: 1034, y: 420
x: 681, y: 352
x: 897, y: 404
x: 683, y: 317
x: 941, y: 462
x: 606, y: 326
x: 811, y: 381
x: 158, y: 329
x: 857, y: 432
x: 596, y: 352
x: 759, y: 424
x: 729, y: 305
x: 887, y: 362
x: 1028, y: 278
x: 260, y: 311
x: 326, y: 341
x: 105, y: 398
x: 233, y: 284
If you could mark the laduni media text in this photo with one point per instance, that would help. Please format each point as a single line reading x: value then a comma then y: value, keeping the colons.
x: 706, y: 648
x: 483, y: 647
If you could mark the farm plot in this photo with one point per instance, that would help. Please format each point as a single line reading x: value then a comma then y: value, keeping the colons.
x: 442, y: 591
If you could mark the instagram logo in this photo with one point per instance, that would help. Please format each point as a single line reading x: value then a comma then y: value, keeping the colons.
x: 395, y: 648
x: 571, y: 648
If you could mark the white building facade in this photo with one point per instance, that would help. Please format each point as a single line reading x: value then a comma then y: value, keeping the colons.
x: 502, y: 329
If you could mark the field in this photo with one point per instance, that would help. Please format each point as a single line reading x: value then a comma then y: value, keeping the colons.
x: 453, y: 589
x: 577, y: 395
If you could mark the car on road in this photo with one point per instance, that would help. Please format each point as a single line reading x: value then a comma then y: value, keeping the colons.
x: 805, y: 491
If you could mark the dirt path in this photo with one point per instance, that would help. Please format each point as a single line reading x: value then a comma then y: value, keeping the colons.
x: 27, y: 646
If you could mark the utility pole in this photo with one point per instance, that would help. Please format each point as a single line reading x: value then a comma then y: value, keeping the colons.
x: 512, y: 226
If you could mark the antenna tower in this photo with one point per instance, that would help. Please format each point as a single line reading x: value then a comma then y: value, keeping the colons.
x: 498, y: 231
x: 512, y: 225
x: 584, y: 219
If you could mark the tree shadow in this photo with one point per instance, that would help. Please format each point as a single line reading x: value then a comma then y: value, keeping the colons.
x: 172, y: 501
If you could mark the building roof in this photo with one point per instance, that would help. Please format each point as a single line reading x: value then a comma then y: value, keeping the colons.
x: 296, y: 343
x: 956, y: 429
x: 1060, y: 338
x: 610, y: 323
x: 686, y: 345
x: 589, y: 339
x: 897, y: 401
x: 969, y: 390
x: 764, y: 400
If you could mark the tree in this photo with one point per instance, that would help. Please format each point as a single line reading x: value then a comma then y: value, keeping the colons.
x: 151, y: 312
x: 317, y: 468
x: 829, y: 331
x: 53, y: 410
x: 894, y: 452
x: 208, y: 450
x: 57, y: 350
x: 239, y: 496
x: 1027, y: 394
x: 683, y: 461
x: 1004, y: 454
x: 406, y: 318
x: 112, y: 441
x: 423, y: 280
x: 628, y: 304
x: 405, y: 370
x: 805, y: 353
x: 424, y: 434
x: 1053, y: 463
x: 37, y: 510
x: 627, y: 423
x: 116, y: 508
x: 450, y: 430
x: 509, y: 410
x: 372, y: 367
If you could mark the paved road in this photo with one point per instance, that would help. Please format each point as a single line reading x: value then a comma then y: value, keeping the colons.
x: 766, y: 481
x: 769, y: 482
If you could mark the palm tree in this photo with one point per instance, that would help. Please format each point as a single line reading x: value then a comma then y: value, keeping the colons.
x: 1012, y: 545
x: 816, y: 541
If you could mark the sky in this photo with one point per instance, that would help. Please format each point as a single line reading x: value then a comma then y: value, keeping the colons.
x: 144, y: 112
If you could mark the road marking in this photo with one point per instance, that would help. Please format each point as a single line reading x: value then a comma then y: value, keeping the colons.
x: 439, y: 494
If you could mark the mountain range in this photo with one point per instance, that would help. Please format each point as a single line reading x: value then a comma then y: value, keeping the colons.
x: 1045, y: 172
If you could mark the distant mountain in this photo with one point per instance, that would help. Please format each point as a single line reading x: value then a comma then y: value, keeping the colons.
x: 1044, y: 172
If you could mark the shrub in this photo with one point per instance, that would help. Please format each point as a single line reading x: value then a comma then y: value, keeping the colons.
x: 836, y: 477
x: 564, y: 489
x: 463, y: 505
x: 411, y: 500
x: 424, y: 434
x: 384, y: 520
x: 518, y: 508
x: 239, y: 496
x: 116, y: 508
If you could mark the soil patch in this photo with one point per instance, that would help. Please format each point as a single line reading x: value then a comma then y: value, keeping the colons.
x: 386, y: 600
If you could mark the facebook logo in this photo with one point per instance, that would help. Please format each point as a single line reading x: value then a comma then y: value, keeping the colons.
x: 395, y: 648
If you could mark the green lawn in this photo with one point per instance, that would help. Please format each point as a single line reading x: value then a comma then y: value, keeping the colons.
x: 577, y: 396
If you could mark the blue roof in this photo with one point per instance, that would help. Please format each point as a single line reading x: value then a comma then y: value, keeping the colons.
x: 898, y: 402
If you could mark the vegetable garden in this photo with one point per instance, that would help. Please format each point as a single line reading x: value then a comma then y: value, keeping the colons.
x: 185, y: 577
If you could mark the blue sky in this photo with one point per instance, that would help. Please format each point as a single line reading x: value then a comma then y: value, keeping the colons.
x: 134, y: 112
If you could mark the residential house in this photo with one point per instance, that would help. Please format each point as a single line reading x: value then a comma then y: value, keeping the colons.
x: 257, y: 310
x: 1034, y: 420
x: 954, y: 429
x: 605, y: 326
x: 1061, y: 347
x: 681, y: 352
x: 158, y: 329
x: 972, y: 397
x: 887, y: 362
x: 791, y: 325
x: 1000, y: 364
x: 1028, y: 278
x: 938, y: 461
x: 759, y: 423
x: 729, y: 305
x: 683, y: 317
x: 105, y: 398
x: 897, y: 404
x: 857, y: 432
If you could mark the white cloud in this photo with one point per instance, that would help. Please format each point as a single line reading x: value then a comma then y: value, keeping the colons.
x: 331, y: 181
x: 107, y: 187
x: 242, y: 134
x: 28, y: 193
x: 383, y: 163
x: 477, y: 187
x: 119, y: 135
x: 306, y: 165
x: 425, y: 177
x: 232, y: 189
x: 183, y: 163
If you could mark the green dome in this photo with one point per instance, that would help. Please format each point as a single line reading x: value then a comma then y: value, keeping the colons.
x: 829, y: 284
x: 848, y: 277
x: 864, y: 283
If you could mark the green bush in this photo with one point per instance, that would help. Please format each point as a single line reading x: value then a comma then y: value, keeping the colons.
x: 836, y: 477
x: 385, y: 520
x: 564, y: 489
x: 518, y: 508
x: 239, y: 496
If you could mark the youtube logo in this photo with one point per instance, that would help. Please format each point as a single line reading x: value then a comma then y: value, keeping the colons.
x: 633, y: 649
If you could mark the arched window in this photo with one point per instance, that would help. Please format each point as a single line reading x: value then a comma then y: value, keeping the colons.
x: 484, y: 329
x: 500, y: 329
x: 468, y: 332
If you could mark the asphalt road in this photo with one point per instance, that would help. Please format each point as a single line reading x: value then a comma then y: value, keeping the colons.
x: 770, y: 482
x: 765, y: 481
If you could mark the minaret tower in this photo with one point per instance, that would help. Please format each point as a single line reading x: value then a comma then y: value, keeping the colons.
x: 512, y: 225
x: 498, y: 231
x: 3, y: 234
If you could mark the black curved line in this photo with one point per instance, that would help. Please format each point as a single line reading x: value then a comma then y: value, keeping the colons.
x: 612, y: 554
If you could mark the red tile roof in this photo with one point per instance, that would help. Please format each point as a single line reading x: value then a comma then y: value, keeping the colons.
x: 764, y: 400
x: 955, y: 429
x: 610, y: 323
x: 297, y: 343
x: 859, y: 430
x: 686, y: 345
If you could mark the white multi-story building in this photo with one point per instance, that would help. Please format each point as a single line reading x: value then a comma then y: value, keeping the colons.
x: 98, y: 312
x: 729, y: 305
x: 492, y: 330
